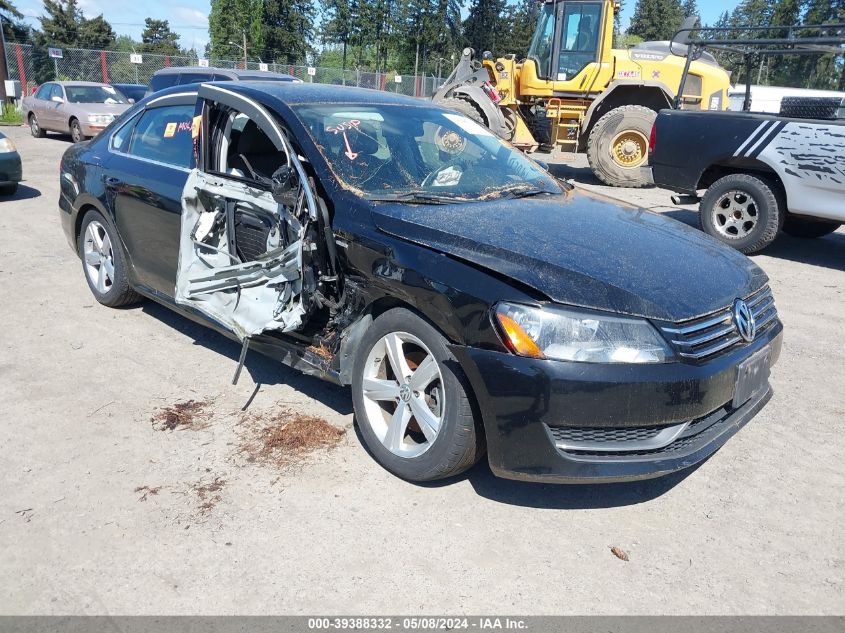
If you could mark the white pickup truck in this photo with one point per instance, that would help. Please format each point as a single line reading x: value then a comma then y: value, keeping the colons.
x: 760, y: 173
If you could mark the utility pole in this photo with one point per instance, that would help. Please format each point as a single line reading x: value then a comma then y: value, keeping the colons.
x: 4, y: 72
x: 245, y: 57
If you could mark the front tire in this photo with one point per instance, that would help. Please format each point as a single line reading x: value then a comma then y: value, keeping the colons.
x: 411, y: 402
x: 808, y: 228
x: 742, y: 211
x: 465, y: 107
x: 617, y: 148
x: 9, y: 189
x: 76, y: 133
x: 103, y: 262
x: 34, y: 127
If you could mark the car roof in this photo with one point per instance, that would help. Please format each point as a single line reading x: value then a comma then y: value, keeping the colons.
x: 78, y: 83
x: 232, y: 72
x: 307, y: 93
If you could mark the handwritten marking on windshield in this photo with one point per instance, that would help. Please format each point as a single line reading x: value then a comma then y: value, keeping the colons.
x: 349, y: 153
x: 343, y: 126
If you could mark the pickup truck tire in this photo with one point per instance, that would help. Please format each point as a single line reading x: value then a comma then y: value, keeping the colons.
x: 808, y: 227
x: 428, y: 382
x: 617, y: 148
x: 742, y: 211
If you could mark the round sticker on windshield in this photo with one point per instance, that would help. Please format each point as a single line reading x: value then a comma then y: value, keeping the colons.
x: 450, y: 141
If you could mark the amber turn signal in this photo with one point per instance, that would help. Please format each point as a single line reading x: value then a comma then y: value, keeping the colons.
x: 517, y: 339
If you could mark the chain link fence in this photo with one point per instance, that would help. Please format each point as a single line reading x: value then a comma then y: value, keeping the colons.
x: 33, y: 66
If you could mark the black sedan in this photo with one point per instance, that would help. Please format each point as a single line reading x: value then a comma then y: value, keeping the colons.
x: 11, y: 172
x: 472, y: 301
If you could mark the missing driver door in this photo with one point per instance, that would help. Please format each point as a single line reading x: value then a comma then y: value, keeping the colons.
x: 246, y: 221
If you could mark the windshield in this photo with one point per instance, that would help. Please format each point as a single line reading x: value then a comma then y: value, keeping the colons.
x: 94, y: 94
x: 402, y: 152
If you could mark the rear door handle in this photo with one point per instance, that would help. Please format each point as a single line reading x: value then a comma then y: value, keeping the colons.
x: 113, y: 182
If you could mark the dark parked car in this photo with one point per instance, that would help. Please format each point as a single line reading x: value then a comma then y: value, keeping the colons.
x: 10, y: 166
x: 133, y: 92
x: 469, y: 299
x: 175, y: 76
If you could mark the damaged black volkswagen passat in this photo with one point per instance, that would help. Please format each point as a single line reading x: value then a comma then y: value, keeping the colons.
x: 473, y: 302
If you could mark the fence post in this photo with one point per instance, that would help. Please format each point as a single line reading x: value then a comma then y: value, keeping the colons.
x: 104, y: 67
x: 167, y: 61
x: 21, y: 69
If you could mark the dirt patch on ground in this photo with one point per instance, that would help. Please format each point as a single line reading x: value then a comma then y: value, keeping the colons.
x: 283, y: 438
x: 147, y: 491
x: 209, y: 494
x: 192, y: 415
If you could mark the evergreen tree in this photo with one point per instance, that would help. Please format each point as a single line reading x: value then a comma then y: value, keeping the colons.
x: 96, y: 33
x: 689, y: 8
x: 60, y: 24
x: 288, y: 27
x: 228, y: 21
x: 520, y: 21
x: 484, y: 29
x: 158, y: 38
x: 337, y: 24
x: 656, y: 19
x: 9, y: 10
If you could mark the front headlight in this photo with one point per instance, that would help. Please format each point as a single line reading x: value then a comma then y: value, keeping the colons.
x: 6, y: 145
x: 100, y: 118
x: 565, y: 334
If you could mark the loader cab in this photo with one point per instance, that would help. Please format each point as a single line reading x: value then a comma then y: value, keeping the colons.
x: 568, y: 46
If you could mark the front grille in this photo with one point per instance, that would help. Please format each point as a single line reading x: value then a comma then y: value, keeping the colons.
x: 707, y: 336
x: 640, y: 441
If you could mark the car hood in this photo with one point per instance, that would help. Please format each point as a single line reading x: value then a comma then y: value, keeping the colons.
x: 99, y: 108
x: 584, y: 250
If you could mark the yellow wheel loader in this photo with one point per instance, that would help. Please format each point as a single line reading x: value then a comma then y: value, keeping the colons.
x: 574, y: 92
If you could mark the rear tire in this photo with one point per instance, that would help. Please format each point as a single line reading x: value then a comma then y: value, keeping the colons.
x: 438, y: 436
x: 9, y: 189
x: 617, y: 149
x: 103, y: 262
x: 742, y: 211
x: 808, y: 228
x: 34, y: 127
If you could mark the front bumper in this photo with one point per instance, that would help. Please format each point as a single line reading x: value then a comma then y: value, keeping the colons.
x: 528, y: 405
x: 10, y: 167
x: 92, y: 129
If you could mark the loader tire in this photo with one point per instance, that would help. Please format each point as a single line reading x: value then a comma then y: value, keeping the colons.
x: 465, y: 107
x: 617, y: 149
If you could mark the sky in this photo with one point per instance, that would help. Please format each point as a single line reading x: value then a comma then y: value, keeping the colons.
x: 189, y: 18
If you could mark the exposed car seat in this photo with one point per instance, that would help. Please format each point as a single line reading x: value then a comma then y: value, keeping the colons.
x: 253, y: 154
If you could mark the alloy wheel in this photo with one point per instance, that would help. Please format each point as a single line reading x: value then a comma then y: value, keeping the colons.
x: 735, y: 214
x: 404, y: 397
x: 99, y: 258
x: 33, y: 125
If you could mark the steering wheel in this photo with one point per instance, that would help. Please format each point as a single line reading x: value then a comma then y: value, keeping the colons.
x: 452, y: 163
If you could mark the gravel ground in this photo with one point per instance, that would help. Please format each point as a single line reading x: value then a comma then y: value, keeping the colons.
x: 101, y: 513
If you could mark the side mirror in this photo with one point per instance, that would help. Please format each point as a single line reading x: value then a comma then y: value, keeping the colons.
x: 284, y: 185
x: 57, y: 99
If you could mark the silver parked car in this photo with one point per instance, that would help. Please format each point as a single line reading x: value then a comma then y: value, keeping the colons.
x: 81, y: 108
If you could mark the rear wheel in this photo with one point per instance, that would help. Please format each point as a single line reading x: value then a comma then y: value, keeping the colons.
x: 9, y: 189
x: 103, y: 262
x: 76, y: 134
x: 34, y: 127
x: 743, y: 211
x: 618, y: 146
x: 808, y: 227
x: 411, y: 402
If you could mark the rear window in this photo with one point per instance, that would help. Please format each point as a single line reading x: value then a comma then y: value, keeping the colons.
x: 193, y: 78
x: 160, y: 82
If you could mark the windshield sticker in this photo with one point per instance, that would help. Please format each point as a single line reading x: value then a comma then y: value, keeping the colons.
x: 195, y: 126
x: 110, y: 90
x: 467, y: 124
x: 170, y: 130
x: 448, y: 177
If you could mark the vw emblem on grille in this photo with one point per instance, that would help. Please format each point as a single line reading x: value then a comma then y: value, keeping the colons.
x: 744, y: 321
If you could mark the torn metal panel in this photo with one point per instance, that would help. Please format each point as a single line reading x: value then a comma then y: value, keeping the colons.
x: 248, y: 297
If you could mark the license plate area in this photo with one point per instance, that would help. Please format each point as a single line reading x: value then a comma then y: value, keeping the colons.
x: 752, y: 376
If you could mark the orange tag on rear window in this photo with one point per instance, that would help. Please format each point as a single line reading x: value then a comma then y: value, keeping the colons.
x: 170, y: 130
x: 195, y: 126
